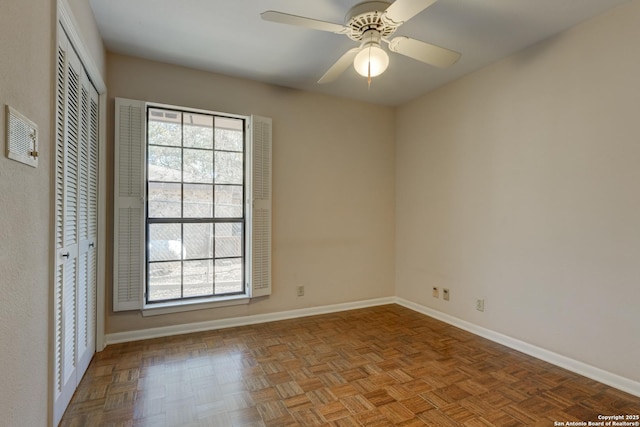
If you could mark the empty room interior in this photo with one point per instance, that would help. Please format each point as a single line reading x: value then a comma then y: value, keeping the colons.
x: 328, y: 213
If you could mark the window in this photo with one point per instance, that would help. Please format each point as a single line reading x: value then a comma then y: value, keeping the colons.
x: 195, y: 205
x: 192, y: 213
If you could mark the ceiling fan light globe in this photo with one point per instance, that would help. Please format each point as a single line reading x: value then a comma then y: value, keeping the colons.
x: 379, y: 61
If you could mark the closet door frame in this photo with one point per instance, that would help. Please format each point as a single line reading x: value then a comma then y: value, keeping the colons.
x: 68, y: 28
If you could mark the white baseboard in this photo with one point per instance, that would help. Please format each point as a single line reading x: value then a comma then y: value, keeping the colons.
x: 120, y: 337
x: 597, y: 374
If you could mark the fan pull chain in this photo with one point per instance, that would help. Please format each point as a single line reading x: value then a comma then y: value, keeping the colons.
x: 369, y: 70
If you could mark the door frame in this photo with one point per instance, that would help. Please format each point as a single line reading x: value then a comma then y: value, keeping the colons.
x: 65, y: 17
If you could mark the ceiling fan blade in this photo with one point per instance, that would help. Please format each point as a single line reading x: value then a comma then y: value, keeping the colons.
x: 340, y: 66
x: 401, y: 11
x: 301, y: 21
x: 424, y: 52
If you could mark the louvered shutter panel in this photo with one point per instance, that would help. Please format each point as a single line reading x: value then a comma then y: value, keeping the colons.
x: 129, y: 212
x: 261, y: 214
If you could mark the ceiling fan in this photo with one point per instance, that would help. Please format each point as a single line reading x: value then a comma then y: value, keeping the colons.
x: 371, y: 23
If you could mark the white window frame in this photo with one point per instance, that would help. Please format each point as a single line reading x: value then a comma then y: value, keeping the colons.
x: 129, y: 275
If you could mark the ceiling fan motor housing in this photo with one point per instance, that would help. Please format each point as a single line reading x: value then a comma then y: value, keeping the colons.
x: 367, y: 16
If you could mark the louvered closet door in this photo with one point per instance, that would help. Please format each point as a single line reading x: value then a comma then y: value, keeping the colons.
x: 87, y: 224
x: 92, y: 213
x: 75, y: 224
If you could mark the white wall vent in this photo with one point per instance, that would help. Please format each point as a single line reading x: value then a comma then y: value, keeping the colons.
x: 22, y: 138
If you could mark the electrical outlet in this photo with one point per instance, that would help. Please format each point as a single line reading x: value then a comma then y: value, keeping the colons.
x: 445, y: 294
x: 435, y: 292
x: 300, y: 290
x: 480, y: 304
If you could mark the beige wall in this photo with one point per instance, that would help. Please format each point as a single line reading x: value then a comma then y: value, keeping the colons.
x: 26, y: 31
x: 333, y: 186
x: 520, y: 184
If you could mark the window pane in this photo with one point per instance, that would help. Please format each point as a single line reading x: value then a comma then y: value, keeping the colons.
x: 198, y: 241
x: 165, y: 242
x: 198, y: 131
x: 229, y: 169
x: 164, y: 200
x: 228, y: 240
x: 164, y: 280
x: 229, y: 134
x: 198, y: 166
x: 164, y: 127
x: 198, y: 201
x: 228, y: 276
x: 228, y: 201
x: 198, y: 278
x: 165, y: 164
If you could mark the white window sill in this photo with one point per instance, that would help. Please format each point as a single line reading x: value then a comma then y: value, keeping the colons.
x: 191, y: 305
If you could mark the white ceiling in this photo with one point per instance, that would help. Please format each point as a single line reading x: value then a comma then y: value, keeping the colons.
x: 229, y: 37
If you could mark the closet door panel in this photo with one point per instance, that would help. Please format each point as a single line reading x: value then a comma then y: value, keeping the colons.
x: 75, y: 224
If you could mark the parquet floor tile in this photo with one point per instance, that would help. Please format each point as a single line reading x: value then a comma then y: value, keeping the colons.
x: 380, y: 366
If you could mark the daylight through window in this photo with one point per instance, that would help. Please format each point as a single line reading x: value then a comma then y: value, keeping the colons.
x: 195, y: 211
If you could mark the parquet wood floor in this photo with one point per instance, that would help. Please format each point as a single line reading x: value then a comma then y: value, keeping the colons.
x: 381, y: 366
